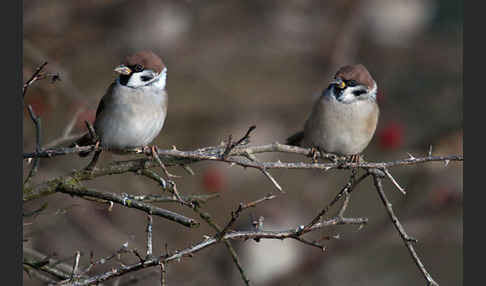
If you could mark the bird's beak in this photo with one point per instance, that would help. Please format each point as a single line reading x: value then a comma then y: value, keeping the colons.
x: 339, y: 83
x: 122, y: 69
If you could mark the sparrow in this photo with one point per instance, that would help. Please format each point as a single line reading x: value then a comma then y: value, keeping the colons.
x: 343, y: 119
x: 134, y: 108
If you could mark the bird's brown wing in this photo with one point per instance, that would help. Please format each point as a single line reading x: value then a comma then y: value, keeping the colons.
x: 295, y: 139
x: 86, y: 139
x: 101, y: 105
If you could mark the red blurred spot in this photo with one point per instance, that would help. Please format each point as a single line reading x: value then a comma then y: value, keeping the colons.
x: 83, y: 115
x: 212, y: 180
x: 442, y: 196
x: 39, y: 104
x: 391, y: 136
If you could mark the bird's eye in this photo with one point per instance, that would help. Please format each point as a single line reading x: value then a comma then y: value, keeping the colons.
x: 352, y: 82
x: 138, y: 68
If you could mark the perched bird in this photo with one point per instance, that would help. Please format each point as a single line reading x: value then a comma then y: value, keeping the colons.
x: 344, y: 118
x: 133, y: 109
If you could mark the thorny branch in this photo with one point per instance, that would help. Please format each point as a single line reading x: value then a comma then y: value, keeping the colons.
x: 405, y: 237
x: 238, y: 155
x: 234, y: 153
x: 205, y: 243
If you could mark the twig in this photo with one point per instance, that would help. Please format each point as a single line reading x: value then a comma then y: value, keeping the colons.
x: 230, y: 146
x: 272, y: 179
x: 168, y: 186
x: 311, y: 243
x: 81, y: 191
x: 154, y: 198
x: 75, y: 265
x: 33, y: 78
x: 103, y: 260
x: 406, y: 239
x: 402, y: 190
x: 176, y: 157
x: 207, y: 242
x: 163, y: 274
x: 155, y: 155
x: 231, y: 250
x: 149, y: 236
x: 37, y: 123
x: 242, y: 207
x: 346, y: 190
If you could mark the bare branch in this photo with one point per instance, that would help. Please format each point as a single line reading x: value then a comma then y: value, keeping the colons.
x: 37, y: 123
x: 406, y: 239
x: 402, y: 190
x: 242, y: 207
x: 81, y: 191
x: 210, y: 241
x: 33, y: 78
x: 230, y: 146
x: 163, y: 274
x: 75, y: 265
x: 149, y: 236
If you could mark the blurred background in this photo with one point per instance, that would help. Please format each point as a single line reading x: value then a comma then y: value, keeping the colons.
x: 232, y: 64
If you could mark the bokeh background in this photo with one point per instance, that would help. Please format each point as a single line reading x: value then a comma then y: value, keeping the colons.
x: 232, y: 64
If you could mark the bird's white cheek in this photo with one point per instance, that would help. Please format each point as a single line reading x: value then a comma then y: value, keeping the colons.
x: 347, y: 96
x: 162, y: 79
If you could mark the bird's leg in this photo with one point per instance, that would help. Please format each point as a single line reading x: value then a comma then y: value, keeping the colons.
x: 91, y: 166
x: 354, y: 159
x: 313, y: 154
x: 332, y: 157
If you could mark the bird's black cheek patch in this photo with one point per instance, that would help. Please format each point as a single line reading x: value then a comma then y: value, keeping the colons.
x: 146, y: 78
x: 124, y: 79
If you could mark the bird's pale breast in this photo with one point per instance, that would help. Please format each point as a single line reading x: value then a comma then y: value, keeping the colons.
x: 131, y: 118
x: 341, y: 128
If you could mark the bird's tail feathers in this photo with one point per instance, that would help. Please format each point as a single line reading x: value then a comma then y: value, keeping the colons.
x: 295, y: 139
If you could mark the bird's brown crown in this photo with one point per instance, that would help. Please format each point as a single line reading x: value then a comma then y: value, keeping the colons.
x: 356, y: 72
x: 147, y: 59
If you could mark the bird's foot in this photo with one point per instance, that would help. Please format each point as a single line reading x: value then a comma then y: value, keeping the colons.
x: 314, y: 152
x: 354, y: 159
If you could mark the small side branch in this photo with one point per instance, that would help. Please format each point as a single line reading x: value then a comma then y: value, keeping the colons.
x: 37, y: 123
x: 33, y: 78
x: 229, y: 246
x: 163, y: 274
x: 345, y: 191
x: 242, y: 207
x: 406, y: 239
x: 121, y: 200
x: 149, y: 236
x: 230, y: 146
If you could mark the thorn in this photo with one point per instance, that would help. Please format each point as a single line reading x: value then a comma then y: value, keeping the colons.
x: 110, y: 208
x: 446, y: 162
x: 411, y: 156
x: 430, y: 150
x: 402, y: 190
x: 411, y: 239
